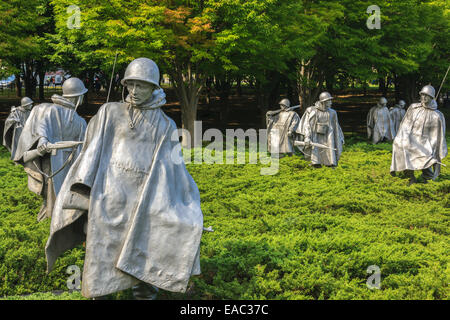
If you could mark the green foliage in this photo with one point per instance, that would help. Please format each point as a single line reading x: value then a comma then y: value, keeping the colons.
x: 22, y: 239
x: 302, y: 234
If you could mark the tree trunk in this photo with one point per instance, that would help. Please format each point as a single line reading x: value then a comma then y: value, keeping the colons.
x: 308, y: 85
x: 18, y: 86
x: 188, y: 88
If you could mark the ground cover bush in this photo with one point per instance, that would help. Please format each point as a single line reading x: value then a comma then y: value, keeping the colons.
x: 302, y: 234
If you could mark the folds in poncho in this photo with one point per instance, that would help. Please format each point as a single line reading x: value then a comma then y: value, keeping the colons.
x: 279, y: 126
x: 49, y: 122
x: 322, y: 126
x: 379, y: 124
x: 144, y: 220
x: 420, y: 141
x: 13, y: 128
x: 397, y: 114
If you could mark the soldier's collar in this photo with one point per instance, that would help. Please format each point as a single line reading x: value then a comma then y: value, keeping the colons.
x: 157, y: 100
x: 59, y: 100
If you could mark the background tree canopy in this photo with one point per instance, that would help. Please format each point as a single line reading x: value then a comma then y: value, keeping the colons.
x: 280, y: 47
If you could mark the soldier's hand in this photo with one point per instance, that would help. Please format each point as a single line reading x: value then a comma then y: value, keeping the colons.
x: 307, y: 142
x: 42, y: 149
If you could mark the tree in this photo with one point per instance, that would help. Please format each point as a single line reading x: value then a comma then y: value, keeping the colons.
x: 176, y: 34
x: 21, y: 47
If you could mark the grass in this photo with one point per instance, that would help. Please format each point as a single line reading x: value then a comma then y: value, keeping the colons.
x: 302, y: 234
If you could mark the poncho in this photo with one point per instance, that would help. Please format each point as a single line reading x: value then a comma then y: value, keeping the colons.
x: 279, y: 126
x: 49, y: 122
x: 13, y: 128
x: 379, y: 124
x: 420, y: 141
x: 144, y: 221
x: 322, y: 126
x: 397, y: 113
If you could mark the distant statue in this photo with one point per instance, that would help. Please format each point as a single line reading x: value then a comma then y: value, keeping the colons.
x: 322, y: 135
x: 50, y: 142
x: 420, y: 142
x: 281, y: 128
x: 130, y: 197
x: 379, y: 123
x: 14, y: 124
x: 397, y: 113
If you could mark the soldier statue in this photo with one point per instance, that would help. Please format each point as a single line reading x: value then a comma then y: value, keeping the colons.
x: 322, y: 135
x: 379, y: 123
x: 14, y: 124
x: 397, y: 113
x: 281, y: 129
x: 420, y: 142
x: 137, y: 209
x: 50, y: 141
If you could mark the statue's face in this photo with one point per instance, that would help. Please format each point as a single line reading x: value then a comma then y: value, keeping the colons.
x: 425, y: 99
x: 283, y: 107
x: 140, y: 91
x: 328, y: 103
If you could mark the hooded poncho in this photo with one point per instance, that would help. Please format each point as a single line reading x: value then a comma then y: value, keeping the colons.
x: 379, y: 124
x: 322, y: 126
x: 144, y: 221
x: 280, y: 126
x: 13, y: 128
x: 397, y: 114
x: 420, y: 141
x: 49, y: 122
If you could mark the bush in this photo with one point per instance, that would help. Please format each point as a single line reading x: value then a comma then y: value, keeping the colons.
x: 302, y: 234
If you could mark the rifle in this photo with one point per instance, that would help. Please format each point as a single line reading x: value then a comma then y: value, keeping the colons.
x: 53, y: 147
x: 112, y: 75
x: 313, y: 144
x: 272, y: 113
x: 443, y: 81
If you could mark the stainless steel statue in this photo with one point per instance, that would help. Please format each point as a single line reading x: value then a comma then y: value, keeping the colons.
x: 397, y: 113
x: 281, y: 128
x: 14, y: 124
x: 49, y: 143
x: 379, y: 123
x: 420, y: 142
x: 140, y: 208
x: 323, y: 138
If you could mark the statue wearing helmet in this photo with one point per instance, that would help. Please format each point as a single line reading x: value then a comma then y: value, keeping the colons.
x: 51, y: 123
x: 281, y: 129
x: 420, y: 142
x: 320, y: 126
x: 397, y: 113
x: 15, y: 123
x: 379, y: 123
x: 131, y: 190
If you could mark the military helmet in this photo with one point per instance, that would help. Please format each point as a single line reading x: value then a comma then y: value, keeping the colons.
x: 402, y: 103
x: 73, y: 87
x: 142, y: 69
x: 25, y: 102
x: 325, y: 96
x: 428, y: 90
x: 383, y: 100
x: 285, y: 102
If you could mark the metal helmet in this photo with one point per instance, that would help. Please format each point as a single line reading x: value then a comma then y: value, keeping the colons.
x: 383, y: 101
x: 285, y: 102
x: 401, y: 103
x: 142, y: 69
x: 73, y: 87
x: 325, y: 96
x: 428, y: 90
x: 25, y: 102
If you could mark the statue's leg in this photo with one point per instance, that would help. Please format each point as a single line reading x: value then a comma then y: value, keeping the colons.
x: 411, y: 176
x: 145, y: 291
x: 427, y: 174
